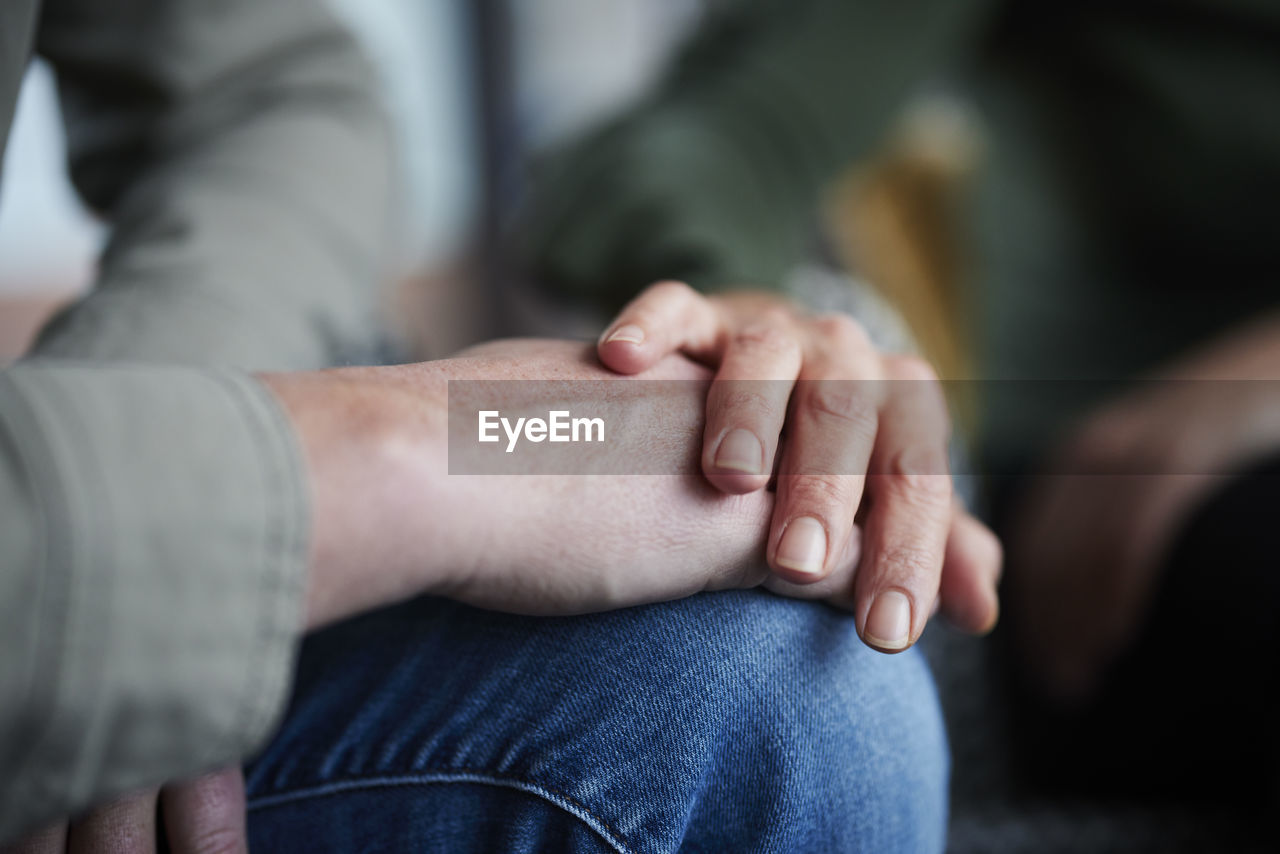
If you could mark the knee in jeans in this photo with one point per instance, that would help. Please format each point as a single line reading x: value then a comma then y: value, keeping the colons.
x: 797, y: 718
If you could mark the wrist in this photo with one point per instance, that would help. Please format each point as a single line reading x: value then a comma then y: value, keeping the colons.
x: 373, y: 442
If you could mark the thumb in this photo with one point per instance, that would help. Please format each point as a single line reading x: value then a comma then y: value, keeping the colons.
x: 665, y: 318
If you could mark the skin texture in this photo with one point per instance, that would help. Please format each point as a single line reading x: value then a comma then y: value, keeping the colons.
x: 1093, y: 533
x: 865, y: 457
x: 529, y: 543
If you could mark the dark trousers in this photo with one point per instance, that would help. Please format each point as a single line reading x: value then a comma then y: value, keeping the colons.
x: 1190, y: 711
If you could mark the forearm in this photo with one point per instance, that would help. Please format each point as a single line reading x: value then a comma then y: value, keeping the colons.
x: 374, y: 445
x: 242, y: 161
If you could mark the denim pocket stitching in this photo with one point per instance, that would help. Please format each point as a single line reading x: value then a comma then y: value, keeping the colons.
x: 601, y: 827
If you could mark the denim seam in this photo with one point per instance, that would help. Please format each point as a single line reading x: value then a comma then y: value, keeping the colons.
x: 558, y: 799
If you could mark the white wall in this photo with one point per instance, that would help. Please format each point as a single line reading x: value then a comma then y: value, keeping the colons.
x: 48, y: 242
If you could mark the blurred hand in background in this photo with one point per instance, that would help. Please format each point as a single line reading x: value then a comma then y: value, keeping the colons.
x: 1095, y: 531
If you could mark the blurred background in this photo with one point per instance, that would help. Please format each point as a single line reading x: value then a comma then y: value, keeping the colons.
x: 478, y: 90
x: 456, y: 73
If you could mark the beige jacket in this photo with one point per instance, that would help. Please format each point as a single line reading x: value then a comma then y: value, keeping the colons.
x: 153, y: 510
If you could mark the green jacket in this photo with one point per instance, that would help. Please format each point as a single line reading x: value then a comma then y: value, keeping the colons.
x: 714, y: 178
x: 153, y: 511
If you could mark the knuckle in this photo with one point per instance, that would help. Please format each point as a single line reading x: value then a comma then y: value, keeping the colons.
x: 920, y: 412
x: 911, y: 567
x: 915, y: 384
x: 930, y: 490
x: 741, y: 401
x: 913, y: 368
x: 925, y: 494
x: 820, y: 492
x: 917, y: 479
x: 768, y: 336
x: 914, y: 467
x: 843, y: 328
x: 844, y: 400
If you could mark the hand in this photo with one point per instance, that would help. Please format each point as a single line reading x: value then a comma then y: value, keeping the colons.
x: 390, y: 522
x: 205, y: 815
x: 1094, y: 533
x: 875, y: 449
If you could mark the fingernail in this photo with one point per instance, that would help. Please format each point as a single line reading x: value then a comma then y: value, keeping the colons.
x: 889, y: 621
x: 630, y: 333
x: 803, y: 546
x: 740, y: 450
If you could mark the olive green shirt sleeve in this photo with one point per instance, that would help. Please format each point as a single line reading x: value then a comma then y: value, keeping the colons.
x: 715, y: 179
x: 153, y: 503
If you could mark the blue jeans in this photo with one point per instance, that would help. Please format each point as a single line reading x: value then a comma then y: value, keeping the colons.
x: 726, y: 722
